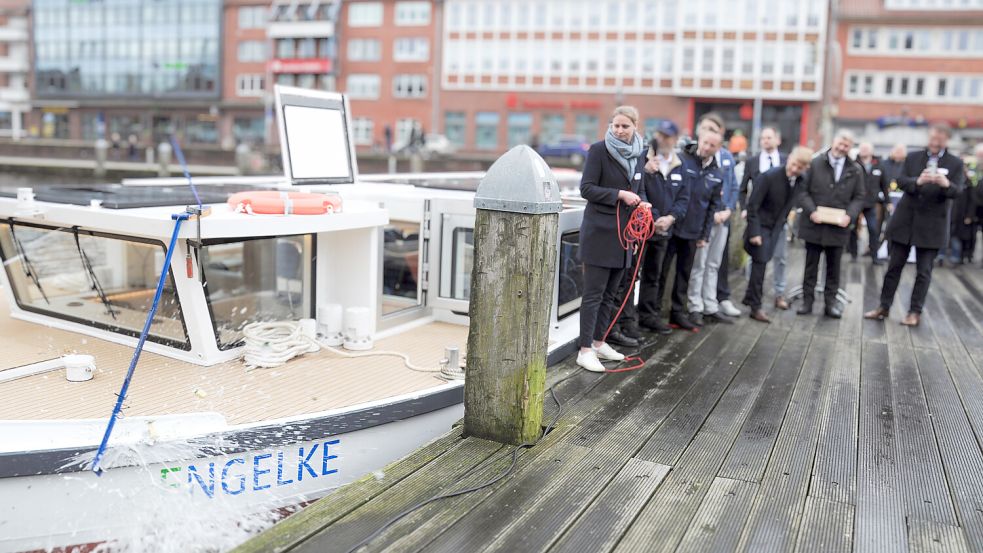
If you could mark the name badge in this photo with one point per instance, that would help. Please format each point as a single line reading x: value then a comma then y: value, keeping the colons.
x: 943, y: 171
x: 877, y: 172
x: 726, y: 163
x: 638, y: 176
x: 675, y: 176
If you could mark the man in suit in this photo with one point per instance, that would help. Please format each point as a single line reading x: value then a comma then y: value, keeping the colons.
x: 929, y: 178
x: 767, y: 158
x: 772, y: 197
x: 875, y: 193
x: 833, y: 181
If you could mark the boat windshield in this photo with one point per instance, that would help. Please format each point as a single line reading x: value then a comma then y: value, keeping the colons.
x: 258, y: 279
x: 101, y: 280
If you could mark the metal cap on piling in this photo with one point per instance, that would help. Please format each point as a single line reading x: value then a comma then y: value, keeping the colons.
x: 519, y: 182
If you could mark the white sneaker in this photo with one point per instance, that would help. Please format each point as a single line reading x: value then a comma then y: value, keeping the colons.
x: 728, y: 308
x: 608, y: 353
x: 589, y: 361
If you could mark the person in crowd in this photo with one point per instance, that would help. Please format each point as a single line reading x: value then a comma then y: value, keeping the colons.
x: 975, y: 176
x: 893, y: 165
x: 929, y: 178
x: 693, y: 231
x: 833, y: 181
x: 875, y: 194
x: 668, y: 189
x: 707, y: 283
x: 613, y: 187
x: 772, y: 198
x: 769, y: 157
x: 964, y: 222
x: 737, y: 143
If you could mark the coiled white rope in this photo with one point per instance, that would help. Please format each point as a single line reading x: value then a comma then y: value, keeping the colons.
x: 271, y: 344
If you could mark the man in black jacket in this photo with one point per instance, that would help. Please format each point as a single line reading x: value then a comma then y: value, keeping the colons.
x: 875, y: 193
x: 768, y: 158
x: 772, y: 197
x: 929, y: 178
x: 833, y: 181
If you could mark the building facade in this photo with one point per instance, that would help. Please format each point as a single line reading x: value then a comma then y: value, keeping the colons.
x: 528, y: 71
x: 906, y: 63
x: 389, y: 58
x: 15, y: 63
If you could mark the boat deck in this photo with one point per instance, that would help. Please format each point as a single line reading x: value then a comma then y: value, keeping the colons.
x: 809, y: 434
x: 312, y: 383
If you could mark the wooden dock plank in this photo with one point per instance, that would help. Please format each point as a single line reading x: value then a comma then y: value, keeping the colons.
x: 879, y: 523
x: 827, y: 526
x: 751, y: 450
x: 718, y: 522
x: 600, y: 527
x: 925, y: 536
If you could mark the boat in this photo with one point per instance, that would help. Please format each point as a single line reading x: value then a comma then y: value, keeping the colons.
x: 205, y: 450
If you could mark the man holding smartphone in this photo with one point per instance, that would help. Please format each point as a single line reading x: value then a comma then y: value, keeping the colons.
x: 929, y: 179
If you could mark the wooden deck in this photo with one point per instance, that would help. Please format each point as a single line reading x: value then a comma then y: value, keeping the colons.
x: 809, y: 434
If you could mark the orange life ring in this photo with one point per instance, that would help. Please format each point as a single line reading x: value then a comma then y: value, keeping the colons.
x: 273, y: 202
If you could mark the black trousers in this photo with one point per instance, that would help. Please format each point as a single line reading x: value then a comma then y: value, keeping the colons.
x: 684, y: 251
x: 924, y: 258
x: 873, y: 232
x: 629, y: 316
x: 723, y: 286
x: 649, y: 289
x: 833, y: 254
x: 759, y: 262
x: 599, y: 302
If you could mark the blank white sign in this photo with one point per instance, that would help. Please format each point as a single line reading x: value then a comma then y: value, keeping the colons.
x: 317, y: 142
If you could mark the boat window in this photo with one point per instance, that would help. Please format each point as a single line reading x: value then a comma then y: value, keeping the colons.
x: 97, y: 279
x: 456, y: 261
x: 263, y: 279
x: 570, y: 287
x: 400, y: 266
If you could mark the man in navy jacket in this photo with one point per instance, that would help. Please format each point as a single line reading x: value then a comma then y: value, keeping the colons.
x: 705, y: 182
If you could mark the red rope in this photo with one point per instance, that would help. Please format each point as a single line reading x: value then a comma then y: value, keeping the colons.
x: 640, y: 227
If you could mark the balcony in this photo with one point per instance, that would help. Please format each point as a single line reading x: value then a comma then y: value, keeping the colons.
x: 14, y: 95
x: 13, y: 34
x: 301, y: 29
x: 10, y: 64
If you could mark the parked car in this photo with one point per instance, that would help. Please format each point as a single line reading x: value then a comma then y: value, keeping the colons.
x: 573, y: 148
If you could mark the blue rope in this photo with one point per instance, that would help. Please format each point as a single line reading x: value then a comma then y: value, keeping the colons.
x: 184, y: 167
x: 117, y: 410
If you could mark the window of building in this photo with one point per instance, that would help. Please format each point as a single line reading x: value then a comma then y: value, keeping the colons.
x: 411, y: 49
x: 307, y: 80
x: 904, y: 86
x: 250, y: 17
x: 363, y: 86
x: 909, y: 40
x: 941, y: 87
x: 872, y: 39
x: 919, y: 87
x: 689, y: 56
x: 868, y: 85
x: 410, y: 86
x: 551, y: 127
x: 708, y: 59
x: 957, y: 87
x: 201, y: 131
x: 286, y: 79
x: 585, y: 126
x: 858, y: 37
x: 326, y: 47
x: 365, y: 14
x: 364, y: 49
x: 519, y: 129
x: 454, y: 123
x: 250, y: 85
x: 852, y: 84
x: 362, y: 131
x: 486, y: 130
x: 974, y: 88
x: 306, y: 48
x: 252, y: 51
x: 727, y: 63
x: 889, y: 86
x: 412, y: 13
x: 248, y: 129
x: 285, y: 48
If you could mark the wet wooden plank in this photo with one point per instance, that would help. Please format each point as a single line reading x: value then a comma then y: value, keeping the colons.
x: 879, y: 523
x: 751, y: 450
x: 718, y: 522
x: 827, y: 526
x: 873, y: 331
x: 920, y: 475
x: 933, y: 537
x: 835, y: 470
x: 776, y: 515
x: 607, y: 517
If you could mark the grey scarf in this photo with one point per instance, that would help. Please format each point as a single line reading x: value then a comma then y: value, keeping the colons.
x: 625, y: 154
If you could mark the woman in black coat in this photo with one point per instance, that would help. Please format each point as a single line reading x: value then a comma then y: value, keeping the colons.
x: 612, y: 185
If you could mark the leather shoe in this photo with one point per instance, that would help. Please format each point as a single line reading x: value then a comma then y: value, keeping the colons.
x: 631, y: 330
x: 617, y: 338
x: 696, y: 318
x: 680, y: 321
x: 833, y: 312
x: 878, y: 261
x: 806, y: 309
x: 718, y: 317
x: 656, y: 325
x: 780, y: 303
x: 912, y: 319
x: 877, y: 314
x: 759, y: 315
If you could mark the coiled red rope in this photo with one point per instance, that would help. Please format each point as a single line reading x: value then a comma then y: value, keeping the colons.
x: 640, y: 227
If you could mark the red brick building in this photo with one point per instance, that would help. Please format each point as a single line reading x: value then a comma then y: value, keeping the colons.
x: 388, y: 59
x: 906, y: 62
